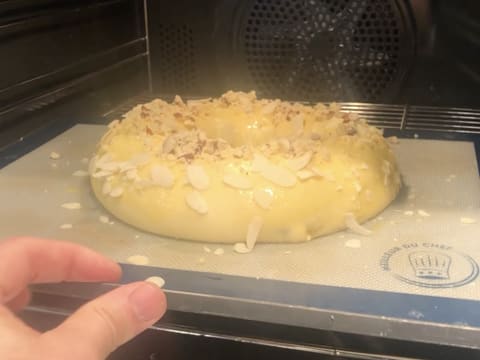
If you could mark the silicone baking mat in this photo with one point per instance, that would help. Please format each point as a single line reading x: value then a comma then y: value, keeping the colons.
x: 426, y: 242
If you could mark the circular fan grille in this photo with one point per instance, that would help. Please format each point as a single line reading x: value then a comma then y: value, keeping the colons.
x: 327, y: 49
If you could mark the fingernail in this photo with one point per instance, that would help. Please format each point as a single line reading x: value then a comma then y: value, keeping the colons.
x: 147, y: 301
x: 157, y: 280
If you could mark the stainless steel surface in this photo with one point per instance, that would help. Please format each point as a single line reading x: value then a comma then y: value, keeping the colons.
x: 305, y: 317
x: 249, y: 340
x: 130, y: 46
x: 51, y: 96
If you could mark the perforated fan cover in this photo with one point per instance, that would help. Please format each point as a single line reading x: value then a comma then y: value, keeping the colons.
x: 326, y: 49
x: 176, y: 64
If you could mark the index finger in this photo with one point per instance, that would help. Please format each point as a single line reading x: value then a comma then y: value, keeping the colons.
x: 28, y: 260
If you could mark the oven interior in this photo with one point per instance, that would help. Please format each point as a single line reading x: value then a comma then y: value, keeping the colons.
x: 406, y: 66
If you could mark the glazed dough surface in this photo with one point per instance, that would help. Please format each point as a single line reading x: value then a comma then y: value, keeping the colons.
x: 240, y: 170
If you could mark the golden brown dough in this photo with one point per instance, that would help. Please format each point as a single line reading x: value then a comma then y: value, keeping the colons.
x: 238, y: 169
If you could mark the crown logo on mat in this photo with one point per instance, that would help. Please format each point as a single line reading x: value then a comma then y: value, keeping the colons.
x: 430, y: 264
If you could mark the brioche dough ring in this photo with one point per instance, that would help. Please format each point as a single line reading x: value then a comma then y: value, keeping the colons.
x: 240, y: 170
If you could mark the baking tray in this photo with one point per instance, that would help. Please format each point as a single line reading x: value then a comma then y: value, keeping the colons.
x: 379, y: 280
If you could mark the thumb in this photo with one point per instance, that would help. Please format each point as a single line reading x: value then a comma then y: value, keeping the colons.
x: 102, y: 325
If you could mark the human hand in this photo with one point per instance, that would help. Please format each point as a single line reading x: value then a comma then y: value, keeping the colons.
x: 94, y: 330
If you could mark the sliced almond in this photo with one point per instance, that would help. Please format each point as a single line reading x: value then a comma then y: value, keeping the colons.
x: 279, y: 176
x: 237, y: 181
x: 423, y: 213
x: 352, y: 224
x: 259, y: 163
x: 104, y: 219
x: 219, y: 252
x: 111, y: 166
x: 113, y: 124
x: 305, y: 174
x: 241, y: 248
x: 197, y: 177
x: 138, y: 260
x: 92, y: 165
x: 324, y: 174
x: 196, y: 201
x: 178, y: 100
x: 161, y: 176
x: 353, y: 243
x: 156, y: 280
x: 393, y: 140
x: 253, y: 231
x: 263, y: 198
x: 126, y: 166
x: 299, y: 162
x: 116, y: 192
x: 106, y: 188
x: 72, y: 206
x: 54, y: 155
x: 101, y: 173
x: 169, y: 144
x: 139, y: 160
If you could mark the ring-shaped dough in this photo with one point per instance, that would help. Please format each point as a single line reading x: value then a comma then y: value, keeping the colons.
x: 238, y: 169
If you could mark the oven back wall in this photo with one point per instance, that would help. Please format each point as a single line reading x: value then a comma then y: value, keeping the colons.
x: 375, y: 51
